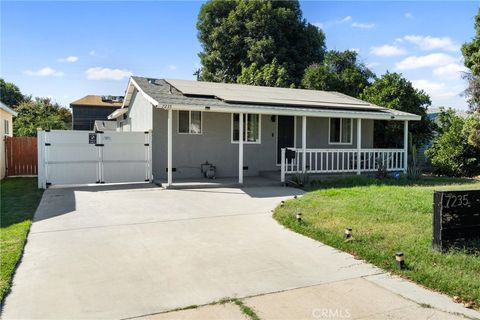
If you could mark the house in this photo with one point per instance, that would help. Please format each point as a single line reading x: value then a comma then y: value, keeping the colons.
x: 90, y: 108
x: 203, y: 129
x: 6, y: 128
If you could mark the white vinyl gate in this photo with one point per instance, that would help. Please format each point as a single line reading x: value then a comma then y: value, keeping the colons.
x: 67, y: 157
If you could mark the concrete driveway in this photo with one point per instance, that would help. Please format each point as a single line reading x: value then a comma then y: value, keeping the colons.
x: 119, y: 252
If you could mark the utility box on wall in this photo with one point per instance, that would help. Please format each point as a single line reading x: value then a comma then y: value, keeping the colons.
x: 456, y: 219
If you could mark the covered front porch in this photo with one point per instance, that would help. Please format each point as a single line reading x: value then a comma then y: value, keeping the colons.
x: 356, y: 161
x: 305, y: 148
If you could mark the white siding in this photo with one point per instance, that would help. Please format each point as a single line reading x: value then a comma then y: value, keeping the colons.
x: 140, y: 114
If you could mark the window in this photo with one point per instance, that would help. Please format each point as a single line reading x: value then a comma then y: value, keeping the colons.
x: 340, y: 131
x: 251, y: 126
x: 6, y: 127
x: 190, y: 122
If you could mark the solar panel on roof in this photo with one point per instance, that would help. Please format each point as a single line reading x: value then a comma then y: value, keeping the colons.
x: 268, y: 95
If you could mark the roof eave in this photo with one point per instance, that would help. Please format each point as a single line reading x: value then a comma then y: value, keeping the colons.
x: 6, y: 108
x: 132, y: 85
x: 296, y: 112
x: 117, y: 113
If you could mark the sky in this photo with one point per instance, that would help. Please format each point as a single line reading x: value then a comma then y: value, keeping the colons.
x: 66, y: 50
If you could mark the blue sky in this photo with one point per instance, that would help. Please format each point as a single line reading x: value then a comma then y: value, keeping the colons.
x: 66, y: 50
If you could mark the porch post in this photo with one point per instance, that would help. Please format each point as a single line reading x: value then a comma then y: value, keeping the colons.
x: 169, y: 148
x: 359, y: 146
x: 240, y: 148
x: 282, y: 166
x: 405, y: 146
x: 304, y: 144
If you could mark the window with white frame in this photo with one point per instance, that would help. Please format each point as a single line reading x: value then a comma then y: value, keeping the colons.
x: 251, y: 126
x: 340, y: 131
x: 6, y: 127
x: 190, y: 122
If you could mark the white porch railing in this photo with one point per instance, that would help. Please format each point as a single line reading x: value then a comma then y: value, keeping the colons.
x: 341, y: 160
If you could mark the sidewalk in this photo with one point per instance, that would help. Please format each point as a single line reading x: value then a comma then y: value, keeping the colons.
x: 359, y: 298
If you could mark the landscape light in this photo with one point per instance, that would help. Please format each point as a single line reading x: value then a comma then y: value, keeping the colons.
x: 400, y: 260
x: 299, y: 217
x: 347, y: 234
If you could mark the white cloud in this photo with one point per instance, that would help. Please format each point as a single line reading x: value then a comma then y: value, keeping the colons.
x: 431, y: 43
x: 428, y: 85
x: 451, y: 71
x: 372, y: 64
x: 408, y: 15
x: 99, y: 73
x: 363, y: 25
x: 92, y: 53
x: 357, y: 50
x: 428, y: 61
x: 346, y: 19
x: 436, y: 90
x: 68, y: 59
x: 319, y: 25
x: 44, y: 72
x: 172, y: 67
x: 388, y: 51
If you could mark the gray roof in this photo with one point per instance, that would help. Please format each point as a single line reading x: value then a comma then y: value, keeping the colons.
x: 103, y: 125
x: 196, y: 93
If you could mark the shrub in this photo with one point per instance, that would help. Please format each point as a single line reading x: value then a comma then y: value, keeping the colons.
x: 454, y: 152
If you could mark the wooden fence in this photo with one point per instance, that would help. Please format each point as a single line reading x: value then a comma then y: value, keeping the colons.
x: 21, y: 154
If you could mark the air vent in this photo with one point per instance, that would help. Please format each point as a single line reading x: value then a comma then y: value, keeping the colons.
x: 152, y: 81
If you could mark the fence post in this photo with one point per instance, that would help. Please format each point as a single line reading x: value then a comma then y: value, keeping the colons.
x: 282, y: 166
x: 149, y: 156
x: 405, y: 146
x: 41, y: 176
x: 359, y: 146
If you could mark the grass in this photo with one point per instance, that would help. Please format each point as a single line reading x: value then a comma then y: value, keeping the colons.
x: 19, y: 200
x: 246, y: 310
x: 387, y: 216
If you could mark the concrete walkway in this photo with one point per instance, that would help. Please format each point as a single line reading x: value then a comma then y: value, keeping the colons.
x: 121, y: 252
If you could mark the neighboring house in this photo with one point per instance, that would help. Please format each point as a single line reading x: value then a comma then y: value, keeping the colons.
x: 90, y: 108
x: 6, y: 129
x: 196, y: 128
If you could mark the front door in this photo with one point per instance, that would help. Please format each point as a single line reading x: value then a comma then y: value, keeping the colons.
x: 285, y: 134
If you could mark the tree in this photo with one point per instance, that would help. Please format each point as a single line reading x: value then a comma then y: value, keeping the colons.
x: 471, y: 130
x: 473, y: 91
x: 10, y: 94
x: 270, y: 75
x: 238, y: 34
x: 471, y: 54
x: 453, y: 153
x: 340, y: 71
x: 471, y: 50
x: 395, y: 92
x: 40, y: 113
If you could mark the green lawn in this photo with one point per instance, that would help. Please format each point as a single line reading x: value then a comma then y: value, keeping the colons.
x: 19, y: 200
x: 387, y: 216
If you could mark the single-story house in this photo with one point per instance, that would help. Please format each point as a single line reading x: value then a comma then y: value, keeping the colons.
x: 6, y: 128
x: 203, y: 129
x: 86, y: 110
